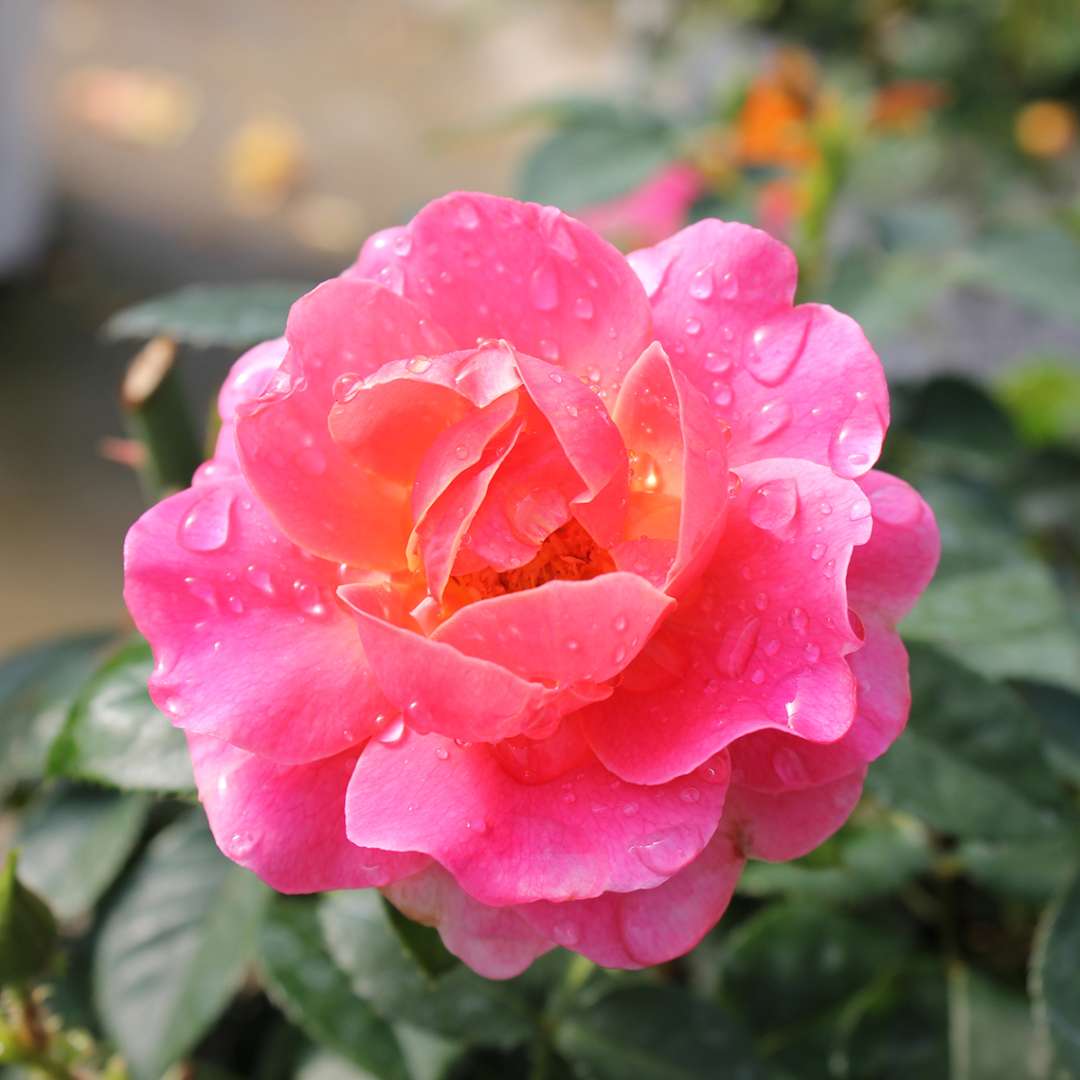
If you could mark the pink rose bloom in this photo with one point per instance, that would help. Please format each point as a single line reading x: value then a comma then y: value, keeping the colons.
x: 537, y: 586
x: 651, y: 212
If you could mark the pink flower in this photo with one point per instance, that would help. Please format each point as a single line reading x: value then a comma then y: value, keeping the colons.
x: 537, y: 586
x: 651, y: 212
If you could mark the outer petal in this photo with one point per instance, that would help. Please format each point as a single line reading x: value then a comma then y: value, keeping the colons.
x: 679, y: 448
x: 438, y: 688
x: 650, y: 926
x: 777, y: 827
x: 508, y: 842
x: 287, y: 822
x: 251, y: 646
x: 487, y: 267
x: 773, y: 761
x: 889, y: 574
x: 246, y: 380
x: 762, y: 644
x: 792, y: 382
x: 495, y: 942
x: 564, y: 632
x: 319, y: 495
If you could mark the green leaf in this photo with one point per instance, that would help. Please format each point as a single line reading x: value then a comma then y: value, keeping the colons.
x: 27, y: 929
x: 655, y: 1033
x: 422, y: 943
x: 1058, y: 712
x: 74, y: 842
x: 1033, y: 869
x: 970, y: 761
x: 315, y: 994
x: 364, y: 945
x: 175, y: 947
x: 991, y: 1036
x: 204, y: 315
x: 36, y: 685
x: 596, y: 159
x: 1055, y: 988
x: 116, y: 735
x: 1004, y: 621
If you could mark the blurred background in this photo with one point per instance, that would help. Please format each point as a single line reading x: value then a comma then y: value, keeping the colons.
x: 921, y: 156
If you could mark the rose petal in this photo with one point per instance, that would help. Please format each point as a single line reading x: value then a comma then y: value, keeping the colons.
x: 494, y: 941
x: 251, y: 646
x: 563, y: 632
x: 322, y: 498
x: 650, y: 926
x: 508, y: 842
x: 488, y: 267
x: 679, y: 450
x: 287, y: 822
x: 789, y: 824
x: 763, y: 642
x: 792, y: 382
x: 246, y: 380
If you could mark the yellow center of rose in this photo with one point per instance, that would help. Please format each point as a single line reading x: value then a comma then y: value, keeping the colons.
x: 568, y: 554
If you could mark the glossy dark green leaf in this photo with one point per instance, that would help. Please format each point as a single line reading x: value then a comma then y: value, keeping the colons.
x: 362, y: 942
x: 1033, y: 868
x: 36, y: 686
x: 27, y: 928
x: 1055, y: 988
x: 315, y: 994
x: 74, y: 842
x: 595, y: 159
x: 970, y: 761
x: 175, y: 946
x: 1004, y: 621
x: 203, y: 315
x: 1058, y: 712
x: 655, y: 1033
x: 115, y: 735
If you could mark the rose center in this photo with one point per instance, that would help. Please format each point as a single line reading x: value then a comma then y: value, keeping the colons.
x: 568, y: 554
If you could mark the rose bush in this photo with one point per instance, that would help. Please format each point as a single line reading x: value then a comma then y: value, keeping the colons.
x: 537, y: 586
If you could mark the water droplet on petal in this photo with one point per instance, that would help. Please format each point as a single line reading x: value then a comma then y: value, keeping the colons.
x: 717, y: 362
x: 442, y: 753
x: 812, y: 652
x: 344, y: 385
x: 798, y: 620
x: 583, y: 308
x: 549, y: 350
x: 667, y: 851
x: 630, y: 809
x: 402, y: 245
x: 477, y: 825
x: 773, y: 505
x: 701, y: 284
x: 620, y: 623
x: 856, y: 446
x: 566, y: 934
x: 772, y: 418
x: 722, y: 394
x: 737, y: 647
x: 241, y: 844
x: 418, y: 365
x: 776, y: 346
x: 693, y: 327
x: 860, y: 509
x: 393, y: 731
x: 205, y: 527
x: 690, y: 795
x: 817, y: 551
x: 544, y: 288
x: 729, y: 286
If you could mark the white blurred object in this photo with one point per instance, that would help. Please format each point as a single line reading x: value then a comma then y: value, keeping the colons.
x: 22, y: 160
